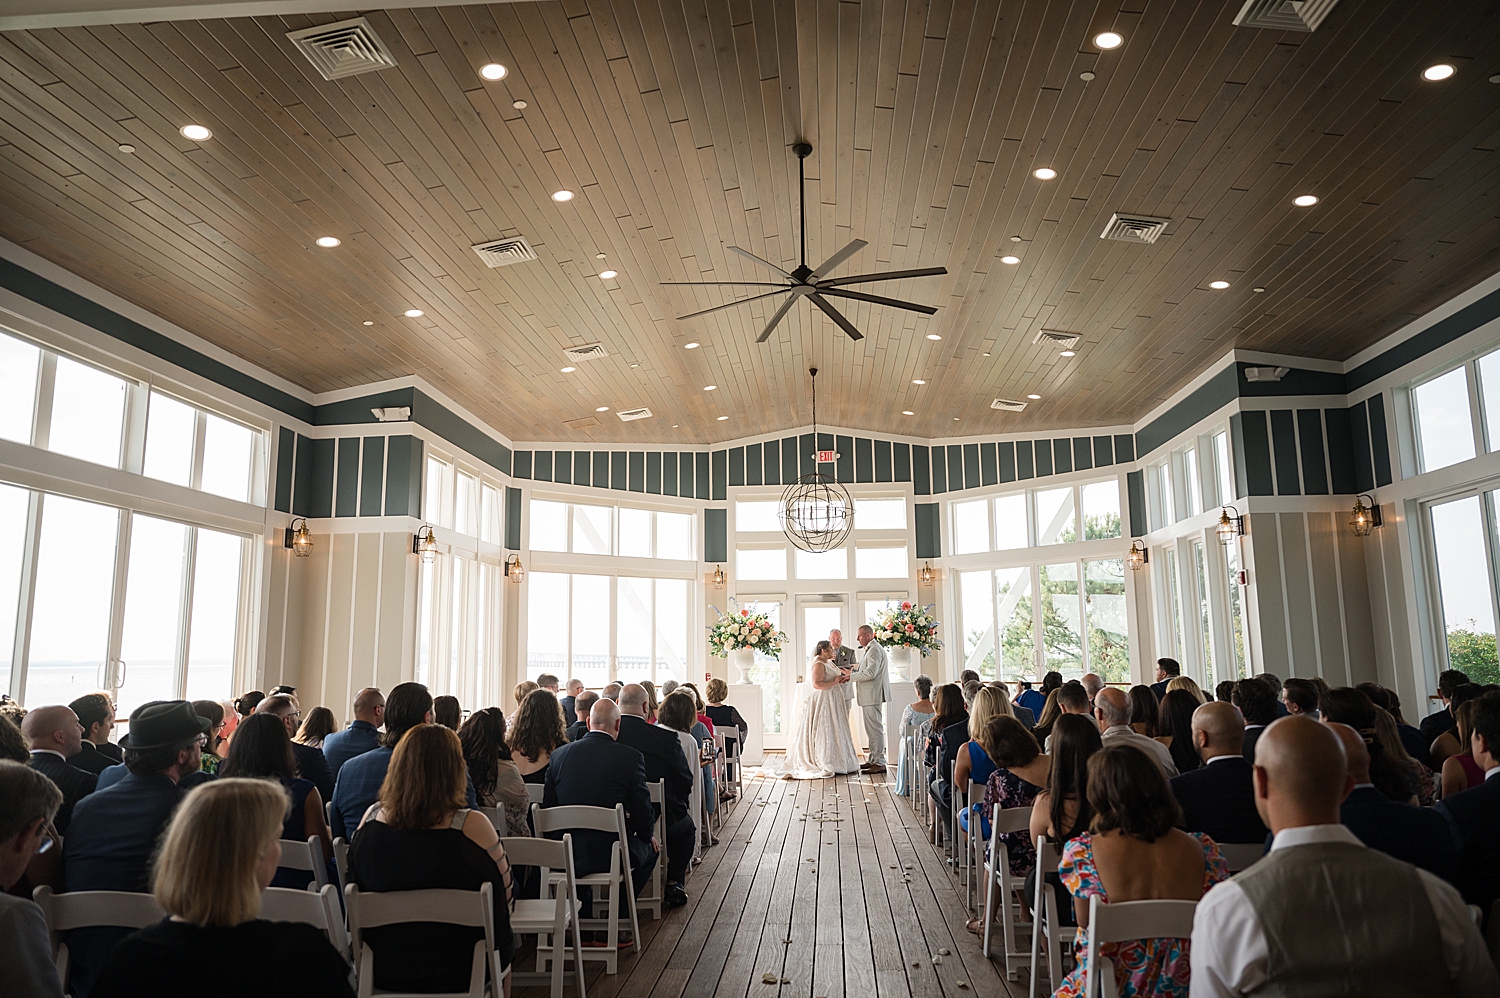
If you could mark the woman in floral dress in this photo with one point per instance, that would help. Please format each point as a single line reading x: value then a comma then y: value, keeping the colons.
x: 1021, y: 773
x: 1134, y: 852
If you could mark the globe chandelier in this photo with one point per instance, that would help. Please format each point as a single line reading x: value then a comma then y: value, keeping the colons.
x: 816, y: 512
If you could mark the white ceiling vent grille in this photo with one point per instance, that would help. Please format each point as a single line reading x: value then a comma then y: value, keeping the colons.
x: 582, y: 423
x: 1134, y: 228
x: 504, y: 252
x: 1065, y: 340
x: 591, y: 351
x: 628, y: 414
x: 1284, y: 15
x: 347, y: 48
x: 1009, y: 405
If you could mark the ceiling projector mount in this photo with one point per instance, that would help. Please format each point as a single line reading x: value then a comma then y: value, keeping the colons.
x: 814, y: 284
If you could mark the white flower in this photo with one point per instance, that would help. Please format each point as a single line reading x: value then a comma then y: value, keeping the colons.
x: 754, y: 640
x: 729, y: 644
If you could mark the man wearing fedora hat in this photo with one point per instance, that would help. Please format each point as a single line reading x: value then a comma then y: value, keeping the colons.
x: 114, y: 831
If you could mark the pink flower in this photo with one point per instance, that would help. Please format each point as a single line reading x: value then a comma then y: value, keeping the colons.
x: 744, y: 613
x: 906, y: 606
x: 910, y: 629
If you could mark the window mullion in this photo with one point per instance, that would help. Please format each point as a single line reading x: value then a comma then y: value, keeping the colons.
x: 185, y: 615
x: 41, y: 427
x: 114, y: 669
x: 133, y: 434
x: 200, y: 434
x: 26, y: 598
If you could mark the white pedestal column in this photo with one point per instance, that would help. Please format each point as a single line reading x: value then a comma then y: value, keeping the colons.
x: 746, y: 698
x: 902, y: 694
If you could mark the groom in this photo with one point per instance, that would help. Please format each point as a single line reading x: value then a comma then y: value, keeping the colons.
x: 872, y: 688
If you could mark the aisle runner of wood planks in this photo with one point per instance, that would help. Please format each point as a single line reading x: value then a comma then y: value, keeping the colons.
x: 818, y: 889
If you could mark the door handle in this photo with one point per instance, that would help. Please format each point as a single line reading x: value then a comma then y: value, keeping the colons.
x: 99, y: 674
x: 120, y: 680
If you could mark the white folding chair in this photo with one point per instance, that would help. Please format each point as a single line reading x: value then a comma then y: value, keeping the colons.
x: 535, y: 792
x: 607, y: 885
x: 321, y: 910
x: 732, y: 766
x: 87, y: 909
x: 1045, y: 922
x: 548, y: 920
x: 496, y: 815
x: 1115, y: 923
x: 297, y: 855
x: 972, y: 842
x: 471, y: 908
x: 650, y: 899
x: 341, y: 861
x: 1002, y: 891
x: 1241, y: 856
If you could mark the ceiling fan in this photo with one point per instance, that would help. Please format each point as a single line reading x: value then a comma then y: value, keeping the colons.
x: 814, y: 284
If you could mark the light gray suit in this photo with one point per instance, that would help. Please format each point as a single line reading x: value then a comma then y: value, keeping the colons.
x: 872, y: 688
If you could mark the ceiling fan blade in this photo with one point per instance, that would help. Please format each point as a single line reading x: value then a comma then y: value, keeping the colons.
x: 833, y: 262
x: 877, y: 300
x: 765, y: 263
x: 775, y: 319
x: 694, y: 284
x: 887, y: 275
x: 836, y: 316
x: 732, y: 304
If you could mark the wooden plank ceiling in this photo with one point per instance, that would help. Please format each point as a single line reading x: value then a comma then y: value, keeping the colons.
x: 673, y: 121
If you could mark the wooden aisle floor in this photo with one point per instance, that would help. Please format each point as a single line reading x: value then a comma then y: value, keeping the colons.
x: 814, y: 902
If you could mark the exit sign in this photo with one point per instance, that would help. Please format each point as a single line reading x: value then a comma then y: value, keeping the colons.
x: 826, y: 457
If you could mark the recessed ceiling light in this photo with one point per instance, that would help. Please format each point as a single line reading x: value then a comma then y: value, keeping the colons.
x: 413, y: 313
x: 1495, y: 78
x: 1433, y: 73
x: 1085, y: 76
x: 1305, y: 201
x: 602, y: 408
x: 327, y: 242
x: 1218, y: 285
x: 1258, y: 290
x: 933, y: 336
x: 1011, y: 260
x: 1070, y: 353
x: 955, y: 419
x: 691, y: 346
x: 493, y: 71
x: 569, y: 370
x: 369, y: 322
x: 1033, y: 397
x: 918, y: 381
x: 709, y: 388
x: 1015, y: 239
x: 519, y: 105
x: 1044, y: 173
x: 196, y: 132
x: 126, y: 147
x: 722, y: 418
x: 907, y: 412
x: 561, y: 196
x: 633, y: 366
x: 674, y: 426
x: 607, y: 274
x: 986, y: 355
x: 598, y: 256
x: 1109, y: 39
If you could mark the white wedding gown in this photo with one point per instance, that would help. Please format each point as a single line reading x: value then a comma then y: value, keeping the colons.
x: 820, y: 744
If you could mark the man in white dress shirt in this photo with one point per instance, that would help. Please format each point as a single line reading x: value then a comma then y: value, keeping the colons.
x: 1322, y: 913
x: 872, y: 688
x: 1112, y: 712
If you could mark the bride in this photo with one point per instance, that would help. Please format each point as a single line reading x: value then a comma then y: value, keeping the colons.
x: 820, y: 744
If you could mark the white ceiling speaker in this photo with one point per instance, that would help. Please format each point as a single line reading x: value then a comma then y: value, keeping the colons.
x: 589, y: 351
x: 628, y: 414
x: 1009, y: 405
x: 505, y: 252
x: 1065, y: 340
x: 392, y: 414
x: 346, y: 48
x: 1284, y: 15
x: 1134, y: 228
x: 1266, y: 373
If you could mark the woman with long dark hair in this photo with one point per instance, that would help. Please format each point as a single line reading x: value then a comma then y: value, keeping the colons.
x: 262, y: 750
x: 214, y: 711
x: 1175, y: 729
x: 497, y: 781
x: 316, y: 726
x: 1062, y: 811
x: 1143, y: 711
x: 1346, y: 705
x: 537, y: 730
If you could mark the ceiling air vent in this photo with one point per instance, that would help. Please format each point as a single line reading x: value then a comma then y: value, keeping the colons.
x: 504, y: 252
x: 1065, y: 340
x: 1284, y: 15
x: 582, y: 423
x: 347, y: 48
x: 1009, y: 405
x: 1134, y: 228
x: 591, y: 351
x: 628, y: 414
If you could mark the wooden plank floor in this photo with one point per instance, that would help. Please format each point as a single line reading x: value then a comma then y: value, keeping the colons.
x: 801, y: 887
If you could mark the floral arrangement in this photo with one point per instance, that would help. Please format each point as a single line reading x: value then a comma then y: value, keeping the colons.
x: 734, y: 631
x: 907, y: 626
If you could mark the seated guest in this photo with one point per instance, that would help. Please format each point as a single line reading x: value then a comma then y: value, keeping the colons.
x: 1224, y: 692
x: 569, y: 702
x: 262, y: 751
x: 497, y: 781
x: 523, y: 690
x: 1299, y: 696
x: 1175, y: 729
x: 1460, y: 771
x: 1274, y: 682
x: 1257, y: 705
x: 1322, y: 907
x: 1132, y: 845
x: 677, y: 716
x: 311, y: 765
x: 1112, y: 711
x: 548, y: 682
x: 360, y: 778
x: 1021, y: 771
x: 54, y: 735
x: 1189, y: 684
x: 1062, y: 810
x: 214, y: 711
x: 973, y: 764
x: 1411, y: 738
x: 1092, y: 683
x: 1440, y: 720
x: 535, y: 734
x: 1347, y: 705
x: 597, y: 771
x: 1474, y: 815
x: 1418, y: 777
x: 966, y: 677
x: 218, y: 855
x: 420, y: 835
x: 316, y: 727
x: 665, y: 761
x: 951, y: 739
x: 1447, y: 744
x: 703, y: 733
x: 447, y: 712
x: 1051, y: 711
x: 1072, y: 698
x: 1166, y: 670
x: 949, y: 714
x: 1218, y: 798
x: 1144, y: 707
x: 582, y: 704
x: 28, y: 801
x: 363, y: 733
x: 722, y: 714
x: 1020, y: 713
x: 115, y: 830
x: 913, y: 719
x: 1034, y: 700
x: 612, y: 691
x: 96, y: 712
x: 1415, y: 835
x: 12, y: 742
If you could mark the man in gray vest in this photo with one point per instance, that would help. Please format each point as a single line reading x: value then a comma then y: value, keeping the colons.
x: 872, y: 688
x: 1322, y: 914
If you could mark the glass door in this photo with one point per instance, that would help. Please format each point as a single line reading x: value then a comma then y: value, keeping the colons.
x: 816, y: 616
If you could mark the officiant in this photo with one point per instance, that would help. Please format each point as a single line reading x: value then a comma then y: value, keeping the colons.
x: 843, y: 655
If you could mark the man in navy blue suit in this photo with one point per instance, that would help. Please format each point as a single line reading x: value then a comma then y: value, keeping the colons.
x: 1167, y: 669
x: 363, y: 733
x: 1474, y: 814
x: 1434, y: 724
x: 1218, y: 798
x: 664, y: 762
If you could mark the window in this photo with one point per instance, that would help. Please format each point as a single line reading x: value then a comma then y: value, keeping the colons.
x: 1237, y: 612
x: 822, y: 565
x: 437, y: 497
x: 635, y: 533
x: 1104, y: 599
x: 1101, y: 510
x: 573, y: 630
x: 593, y: 529
x: 756, y: 515
x: 1489, y: 395
x: 466, y: 505
x: 228, y: 458
x: 1440, y: 410
x: 971, y: 526
x: 880, y: 514
x: 223, y: 464
x: 881, y: 563
x: 216, y: 606
x: 674, y: 536
x: 489, y: 514
x: 1458, y: 537
x: 974, y: 596
x: 19, y: 365
x: 14, y: 503
x: 1010, y: 522
x: 88, y: 413
x: 171, y: 433
x: 71, y: 608
x: 586, y: 529
x: 1161, y: 476
x: 1166, y: 558
x: 1194, y: 488
x: 159, y: 553
x: 1062, y: 633
x: 1205, y: 630
x: 1054, y: 516
x: 1221, y: 462
x: 753, y: 564
x: 549, y: 525
x: 651, y: 630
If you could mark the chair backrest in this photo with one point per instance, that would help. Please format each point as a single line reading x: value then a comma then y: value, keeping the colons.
x: 320, y: 910
x: 298, y: 855
x: 496, y: 815
x: 1125, y: 920
x: 553, y: 854
x: 450, y: 907
x: 1011, y: 819
x: 341, y: 860
x: 82, y: 909
x: 1241, y: 856
x: 577, y: 816
x: 732, y: 745
x: 535, y: 792
x: 658, y: 791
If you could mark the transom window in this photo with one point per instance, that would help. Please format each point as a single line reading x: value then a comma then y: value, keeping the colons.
x: 624, y: 531
x: 1037, y: 518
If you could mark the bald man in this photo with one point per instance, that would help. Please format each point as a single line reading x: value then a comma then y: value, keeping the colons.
x: 1112, y: 712
x: 664, y: 762
x: 54, y: 734
x: 1322, y: 913
x: 363, y: 733
x: 1091, y: 684
x: 1416, y: 835
x: 1218, y: 798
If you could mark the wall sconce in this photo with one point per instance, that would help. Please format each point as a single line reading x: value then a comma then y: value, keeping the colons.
x: 424, y: 543
x: 719, y: 577
x: 299, y: 538
x: 1364, y: 518
x: 1231, y: 525
x: 926, y: 575
x: 1138, y: 556
x: 513, y: 570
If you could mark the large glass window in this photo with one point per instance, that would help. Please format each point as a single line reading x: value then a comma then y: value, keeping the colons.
x: 19, y: 364
x: 1017, y: 629
x: 1054, y: 516
x: 153, y: 612
x: 14, y: 504
x: 971, y: 526
x: 1458, y: 537
x: 171, y: 432
x: 1101, y: 510
x: 1010, y: 522
x: 1109, y: 641
x: 881, y: 563
x: 1445, y: 431
x: 1062, y: 633
x: 74, y: 590
x: 758, y: 515
x: 760, y: 564
x: 228, y: 458
x: 88, y: 413
x: 571, y: 632
x: 1190, y: 474
x: 625, y: 531
x: 593, y: 529
x: 974, y: 595
x: 1221, y: 463
x: 1205, y: 616
x: 822, y: 564
x: 1237, y: 613
x: 880, y: 514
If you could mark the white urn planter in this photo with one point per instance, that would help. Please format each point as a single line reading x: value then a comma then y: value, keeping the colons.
x: 906, y: 662
x: 742, y: 660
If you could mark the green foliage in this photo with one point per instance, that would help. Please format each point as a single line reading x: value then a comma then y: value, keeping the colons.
x: 1474, y: 653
